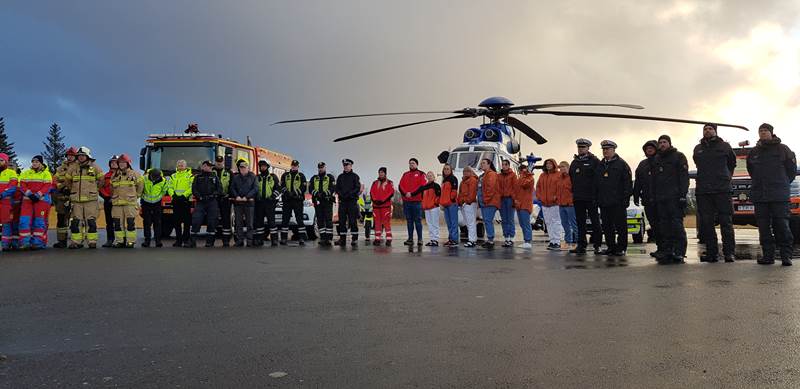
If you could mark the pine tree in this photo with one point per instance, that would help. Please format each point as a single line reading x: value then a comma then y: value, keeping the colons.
x: 54, y: 148
x: 6, y: 146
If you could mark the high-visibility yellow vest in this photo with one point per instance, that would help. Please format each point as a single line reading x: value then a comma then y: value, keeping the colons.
x: 180, y: 183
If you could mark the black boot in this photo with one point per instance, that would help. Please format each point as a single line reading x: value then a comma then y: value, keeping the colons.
x: 342, y: 241
x: 210, y: 242
x: 146, y: 242
x: 226, y: 242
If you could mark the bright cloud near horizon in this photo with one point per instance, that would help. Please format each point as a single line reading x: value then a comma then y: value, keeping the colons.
x: 111, y: 72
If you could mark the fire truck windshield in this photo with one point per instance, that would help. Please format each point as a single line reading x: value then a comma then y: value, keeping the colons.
x: 166, y: 157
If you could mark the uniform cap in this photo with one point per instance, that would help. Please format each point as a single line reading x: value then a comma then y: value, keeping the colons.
x: 347, y: 161
x: 608, y: 144
x: 583, y: 142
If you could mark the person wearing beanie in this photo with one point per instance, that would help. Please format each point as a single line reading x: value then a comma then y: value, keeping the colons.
x: 322, y: 187
x: 9, y: 183
x: 126, y: 189
x: 381, y: 192
x: 642, y: 187
x: 105, y: 194
x: 614, y: 188
x: 348, y: 188
x: 294, y: 186
x: 35, y: 184
x: 61, y: 198
x: 670, y: 186
x: 269, y: 186
x: 84, y: 180
x: 583, y: 175
x: 772, y: 167
x: 716, y: 162
x: 412, y: 180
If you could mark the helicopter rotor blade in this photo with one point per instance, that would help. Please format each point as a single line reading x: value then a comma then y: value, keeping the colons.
x: 525, y: 129
x: 535, y: 107
x: 371, y: 132
x: 462, y: 111
x: 636, y: 117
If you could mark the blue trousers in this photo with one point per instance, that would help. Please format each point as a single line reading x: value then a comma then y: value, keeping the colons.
x: 570, y: 224
x: 507, y: 214
x: 451, y: 219
x: 488, y: 213
x: 525, y: 224
x: 413, y: 212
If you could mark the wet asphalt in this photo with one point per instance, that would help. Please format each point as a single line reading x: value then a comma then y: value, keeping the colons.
x: 390, y: 317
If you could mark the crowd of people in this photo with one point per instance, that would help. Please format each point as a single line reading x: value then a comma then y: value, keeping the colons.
x: 589, y: 188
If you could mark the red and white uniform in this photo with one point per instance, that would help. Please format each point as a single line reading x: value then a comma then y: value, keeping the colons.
x: 381, y: 194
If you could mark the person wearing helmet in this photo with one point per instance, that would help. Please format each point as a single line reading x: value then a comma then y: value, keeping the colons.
x: 269, y: 186
x: 294, y: 187
x: 84, y: 179
x: 223, y: 201
x: 105, y: 194
x: 244, y: 189
x: 154, y: 190
x: 35, y: 184
x: 126, y: 189
x: 322, y: 187
x: 61, y: 199
x: 8, y: 190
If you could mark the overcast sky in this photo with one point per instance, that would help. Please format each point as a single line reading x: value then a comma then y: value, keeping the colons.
x: 109, y: 72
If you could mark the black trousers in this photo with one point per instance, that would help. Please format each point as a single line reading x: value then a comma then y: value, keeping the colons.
x: 713, y: 208
x: 583, y: 210
x: 182, y: 215
x: 773, y: 228
x: 651, y: 213
x: 670, y: 222
x: 265, y: 209
x: 349, y: 214
x: 208, y: 211
x: 152, y: 213
x: 292, y: 206
x: 324, y: 215
x: 225, y: 231
x: 615, y: 227
x: 107, y: 207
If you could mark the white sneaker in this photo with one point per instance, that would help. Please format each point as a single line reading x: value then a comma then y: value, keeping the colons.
x: 525, y: 246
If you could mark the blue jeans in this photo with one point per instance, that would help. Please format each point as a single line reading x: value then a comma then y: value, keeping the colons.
x: 569, y: 223
x: 413, y: 212
x: 488, y: 213
x: 507, y: 214
x: 451, y: 219
x: 525, y: 224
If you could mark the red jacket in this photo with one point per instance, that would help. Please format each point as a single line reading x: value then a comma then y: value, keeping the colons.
x: 430, y: 197
x: 381, y: 193
x: 449, y: 191
x: 565, y: 191
x: 547, y: 188
x: 523, y: 194
x: 490, y: 188
x: 468, y: 191
x: 507, y: 180
x: 105, y: 190
x: 410, y: 182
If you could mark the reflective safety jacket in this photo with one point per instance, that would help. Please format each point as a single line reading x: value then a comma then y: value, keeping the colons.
x: 321, y: 188
x: 84, y: 180
x: 153, y: 192
x: 8, y: 183
x: 36, y: 183
x: 294, y: 185
x: 126, y: 187
x: 224, y: 176
x: 179, y: 183
x: 268, y: 186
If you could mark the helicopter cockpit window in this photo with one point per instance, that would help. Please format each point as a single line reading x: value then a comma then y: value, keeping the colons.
x: 472, y: 158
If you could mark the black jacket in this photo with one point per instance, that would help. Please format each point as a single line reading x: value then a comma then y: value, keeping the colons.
x: 244, y: 186
x: 348, y: 186
x: 582, y: 172
x: 289, y: 190
x: 206, y: 186
x: 715, y: 161
x: 642, y: 185
x: 318, y: 193
x: 772, y: 167
x: 614, y: 183
x: 670, y: 175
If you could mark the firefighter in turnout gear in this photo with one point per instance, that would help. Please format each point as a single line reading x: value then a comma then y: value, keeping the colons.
x: 154, y: 190
x: 365, y: 207
x: 126, y: 189
x: 348, y: 186
x: 84, y: 179
x: 206, y: 188
x: 224, y: 202
x: 61, y: 199
x: 294, y: 185
x: 8, y: 190
x: 268, y: 189
x: 322, y: 188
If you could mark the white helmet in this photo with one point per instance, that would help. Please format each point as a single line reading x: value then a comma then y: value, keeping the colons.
x: 83, y: 150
